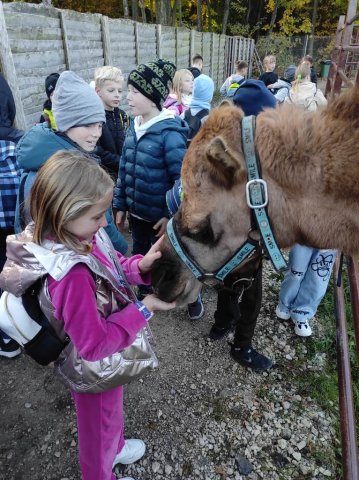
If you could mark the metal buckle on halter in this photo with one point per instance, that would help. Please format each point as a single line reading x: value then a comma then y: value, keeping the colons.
x: 253, y: 182
x: 209, y: 279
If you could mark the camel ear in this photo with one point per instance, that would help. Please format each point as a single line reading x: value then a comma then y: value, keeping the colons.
x: 226, y: 165
x: 225, y: 103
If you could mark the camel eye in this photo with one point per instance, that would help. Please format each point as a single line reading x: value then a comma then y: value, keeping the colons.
x: 204, y: 234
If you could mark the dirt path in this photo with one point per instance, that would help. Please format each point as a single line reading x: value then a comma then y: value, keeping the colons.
x: 201, y: 415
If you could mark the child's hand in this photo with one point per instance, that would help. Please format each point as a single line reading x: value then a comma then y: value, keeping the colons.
x: 145, y: 264
x: 269, y: 86
x: 120, y: 220
x: 153, y: 303
x: 161, y: 227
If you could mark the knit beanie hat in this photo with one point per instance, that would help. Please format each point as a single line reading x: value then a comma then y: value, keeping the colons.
x: 75, y: 103
x: 252, y: 96
x: 202, y: 94
x: 50, y: 83
x: 289, y: 73
x: 153, y: 80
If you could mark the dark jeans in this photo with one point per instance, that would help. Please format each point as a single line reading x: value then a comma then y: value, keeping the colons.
x: 244, y: 314
x: 143, y: 235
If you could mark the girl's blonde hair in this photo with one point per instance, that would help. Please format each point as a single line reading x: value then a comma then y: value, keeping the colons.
x: 102, y: 74
x: 65, y: 188
x: 302, y: 74
x: 177, y: 82
x: 269, y: 59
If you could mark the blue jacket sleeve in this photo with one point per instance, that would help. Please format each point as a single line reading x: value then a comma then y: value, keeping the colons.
x: 174, y: 149
x: 119, y: 196
x: 117, y: 239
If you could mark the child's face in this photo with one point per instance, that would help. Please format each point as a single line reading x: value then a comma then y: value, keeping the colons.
x: 88, y: 224
x: 270, y: 66
x: 138, y: 103
x: 110, y: 94
x: 187, y: 84
x: 86, y: 137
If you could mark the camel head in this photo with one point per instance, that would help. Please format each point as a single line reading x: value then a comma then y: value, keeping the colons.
x: 310, y: 163
x: 212, y: 175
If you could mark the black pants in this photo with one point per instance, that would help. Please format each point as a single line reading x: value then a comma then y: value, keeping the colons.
x: 244, y: 314
x: 143, y: 235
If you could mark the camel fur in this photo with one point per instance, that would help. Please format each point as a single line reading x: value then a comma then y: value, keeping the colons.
x: 310, y: 161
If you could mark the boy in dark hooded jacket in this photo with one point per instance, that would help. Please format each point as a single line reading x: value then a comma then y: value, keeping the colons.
x: 7, y: 114
x: 109, y: 87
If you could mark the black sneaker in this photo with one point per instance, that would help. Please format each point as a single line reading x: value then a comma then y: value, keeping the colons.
x: 9, y: 349
x: 196, y: 309
x: 249, y: 357
x: 216, y: 333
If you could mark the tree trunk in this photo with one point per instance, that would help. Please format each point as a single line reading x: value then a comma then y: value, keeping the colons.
x: 314, y: 21
x: 134, y: 10
x: 273, y: 18
x: 126, y: 12
x: 209, y: 15
x: 174, y: 12
x: 158, y: 12
x: 151, y: 11
x: 199, y: 16
x: 143, y: 11
x: 225, y: 16
x: 180, y: 13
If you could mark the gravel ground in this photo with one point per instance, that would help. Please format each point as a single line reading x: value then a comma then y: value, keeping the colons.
x: 201, y: 415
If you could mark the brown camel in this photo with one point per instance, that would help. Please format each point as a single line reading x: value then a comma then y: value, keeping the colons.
x: 310, y: 161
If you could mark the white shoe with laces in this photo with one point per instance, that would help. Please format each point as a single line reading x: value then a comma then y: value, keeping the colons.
x: 132, y: 451
x: 302, y: 328
x: 282, y: 313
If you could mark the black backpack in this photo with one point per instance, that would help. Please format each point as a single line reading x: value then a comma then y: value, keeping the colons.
x: 194, y: 122
x: 43, y: 344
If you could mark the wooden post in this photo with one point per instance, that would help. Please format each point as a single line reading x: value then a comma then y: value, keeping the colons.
x: 137, y: 47
x: 191, y: 47
x: 159, y: 40
x: 106, y: 42
x: 176, y: 45
x: 8, y: 69
x: 212, y: 55
x: 65, y: 41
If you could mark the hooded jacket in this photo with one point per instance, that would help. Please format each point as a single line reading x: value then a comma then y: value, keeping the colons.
x: 149, y: 167
x: 109, y: 146
x: 307, y: 96
x: 35, y: 147
x: 7, y: 113
x: 117, y: 317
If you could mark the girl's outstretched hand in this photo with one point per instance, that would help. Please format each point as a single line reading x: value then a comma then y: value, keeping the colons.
x: 153, y: 303
x: 145, y: 264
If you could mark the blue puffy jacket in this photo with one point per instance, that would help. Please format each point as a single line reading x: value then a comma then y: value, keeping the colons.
x: 149, y: 167
x: 34, y: 148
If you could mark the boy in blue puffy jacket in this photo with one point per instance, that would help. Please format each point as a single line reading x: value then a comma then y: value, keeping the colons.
x: 152, y: 156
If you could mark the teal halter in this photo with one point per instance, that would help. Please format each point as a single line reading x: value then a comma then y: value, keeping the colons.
x: 257, y: 200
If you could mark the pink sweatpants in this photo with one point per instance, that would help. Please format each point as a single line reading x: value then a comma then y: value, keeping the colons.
x: 100, y: 428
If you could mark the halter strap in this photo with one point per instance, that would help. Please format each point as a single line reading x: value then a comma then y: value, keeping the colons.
x: 257, y: 194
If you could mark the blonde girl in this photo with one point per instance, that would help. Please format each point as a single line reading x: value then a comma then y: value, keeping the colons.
x: 88, y: 289
x: 305, y: 93
x: 269, y: 76
x: 179, y: 98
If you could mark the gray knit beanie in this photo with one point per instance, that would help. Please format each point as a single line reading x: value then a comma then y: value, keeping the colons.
x: 75, y: 103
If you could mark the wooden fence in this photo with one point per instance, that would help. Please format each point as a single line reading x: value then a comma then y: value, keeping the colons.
x: 36, y: 40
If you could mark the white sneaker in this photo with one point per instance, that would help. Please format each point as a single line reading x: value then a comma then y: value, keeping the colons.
x: 281, y: 313
x: 302, y: 328
x: 132, y: 451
